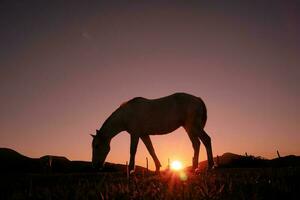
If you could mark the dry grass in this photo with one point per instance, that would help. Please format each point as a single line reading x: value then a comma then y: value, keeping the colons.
x: 268, y: 183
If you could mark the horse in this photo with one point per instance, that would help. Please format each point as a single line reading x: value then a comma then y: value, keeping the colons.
x: 142, y: 117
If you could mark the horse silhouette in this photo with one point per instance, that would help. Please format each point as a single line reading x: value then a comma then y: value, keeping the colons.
x: 142, y: 117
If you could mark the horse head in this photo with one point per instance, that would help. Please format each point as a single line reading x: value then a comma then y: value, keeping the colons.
x: 101, y: 147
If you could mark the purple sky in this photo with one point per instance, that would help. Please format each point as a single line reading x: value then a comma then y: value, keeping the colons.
x: 65, y: 66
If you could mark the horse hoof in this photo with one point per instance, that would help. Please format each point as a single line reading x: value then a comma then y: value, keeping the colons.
x: 197, y: 171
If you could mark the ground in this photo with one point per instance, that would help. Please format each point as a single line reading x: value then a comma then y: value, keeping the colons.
x: 230, y: 183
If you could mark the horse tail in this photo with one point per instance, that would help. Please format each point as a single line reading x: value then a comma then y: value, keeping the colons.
x: 204, y: 112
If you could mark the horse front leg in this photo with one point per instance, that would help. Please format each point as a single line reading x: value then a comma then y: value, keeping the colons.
x: 134, y: 140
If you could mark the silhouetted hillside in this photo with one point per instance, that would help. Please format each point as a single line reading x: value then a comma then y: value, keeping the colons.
x: 231, y: 160
x: 286, y: 161
x: 255, y: 162
x: 227, y: 158
x: 223, y: 160
x: 9, y: 154
x: 14, y: 162
x: 51, y: 163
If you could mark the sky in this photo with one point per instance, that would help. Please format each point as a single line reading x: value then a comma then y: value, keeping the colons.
x: 65, y: 66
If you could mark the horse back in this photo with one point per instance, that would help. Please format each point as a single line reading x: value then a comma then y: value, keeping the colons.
x: 163, y: 115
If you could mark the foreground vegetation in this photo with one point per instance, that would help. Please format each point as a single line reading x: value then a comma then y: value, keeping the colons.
x: 263, y: 183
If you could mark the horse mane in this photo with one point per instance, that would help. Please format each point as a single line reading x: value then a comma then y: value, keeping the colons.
x: 123, y: 104
x: 131, y: 100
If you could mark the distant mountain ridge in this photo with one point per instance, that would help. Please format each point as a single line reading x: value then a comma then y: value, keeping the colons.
x: 231, y: 160
x: 12, y: 161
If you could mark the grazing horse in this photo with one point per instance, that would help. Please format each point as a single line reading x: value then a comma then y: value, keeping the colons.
x: 142, y: 117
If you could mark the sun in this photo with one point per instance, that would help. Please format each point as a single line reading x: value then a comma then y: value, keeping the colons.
x: 176, y: 165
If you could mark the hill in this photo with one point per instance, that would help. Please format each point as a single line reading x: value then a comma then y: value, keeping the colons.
x: 14, y: 162
x: 231, y: 160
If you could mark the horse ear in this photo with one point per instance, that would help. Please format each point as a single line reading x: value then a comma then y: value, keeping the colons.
x: 92, y: 135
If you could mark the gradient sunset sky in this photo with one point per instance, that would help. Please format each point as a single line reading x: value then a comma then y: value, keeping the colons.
x: 65, y: 66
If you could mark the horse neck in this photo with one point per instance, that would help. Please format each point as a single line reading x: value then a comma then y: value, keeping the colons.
x: 112, y: 126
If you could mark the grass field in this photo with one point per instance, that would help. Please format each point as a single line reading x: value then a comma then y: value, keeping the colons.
x: 262, y: 183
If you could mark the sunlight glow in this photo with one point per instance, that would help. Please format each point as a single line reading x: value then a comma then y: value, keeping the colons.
x: 176, y: 165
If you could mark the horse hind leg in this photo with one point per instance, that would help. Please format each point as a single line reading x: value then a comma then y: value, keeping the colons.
x: 204, y: 137
x: 196, y: 146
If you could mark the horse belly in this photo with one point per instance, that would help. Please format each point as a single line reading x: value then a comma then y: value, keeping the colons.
x: 164, y: 129
x: 160, y: 125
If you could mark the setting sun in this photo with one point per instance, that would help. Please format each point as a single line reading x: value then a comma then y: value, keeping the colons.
x: 176, y: 165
